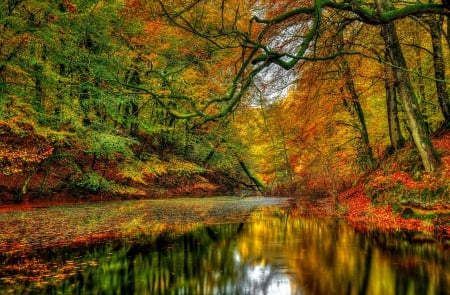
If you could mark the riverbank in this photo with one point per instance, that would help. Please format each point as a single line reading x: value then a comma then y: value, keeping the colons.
x: 397, y: 196
x: 360, y: 212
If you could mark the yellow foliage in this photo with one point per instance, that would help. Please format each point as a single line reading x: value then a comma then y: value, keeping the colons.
x: 141, y: 172
x: 183, y: 168
x: 127, y: 190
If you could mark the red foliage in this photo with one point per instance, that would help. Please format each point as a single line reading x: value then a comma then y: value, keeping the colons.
x: 443, y: 142
x: 69, y: 6
x: 391, y: 181
x: 362, y: 214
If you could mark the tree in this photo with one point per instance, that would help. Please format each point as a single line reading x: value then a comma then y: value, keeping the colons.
x: 397, y: 140
x: 436, y: 23
x: 354, y: 106
x: 262, y: 50
x: 410, y: 103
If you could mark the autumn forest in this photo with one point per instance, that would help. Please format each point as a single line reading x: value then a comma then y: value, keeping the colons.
x: 224, y: 147
x: 131, y: 99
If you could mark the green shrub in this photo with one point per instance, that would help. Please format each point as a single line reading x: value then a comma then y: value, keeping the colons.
x: 93, y: 182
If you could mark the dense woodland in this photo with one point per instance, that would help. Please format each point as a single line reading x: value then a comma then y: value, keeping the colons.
x: 133, y: 98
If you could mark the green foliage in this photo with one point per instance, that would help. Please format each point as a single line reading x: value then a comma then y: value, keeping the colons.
x: 62, y: 69
x: 93, y: 182
x: 109, y: 146
x: 141, y: 171
x: 65, y: 66
x: 409, y: 213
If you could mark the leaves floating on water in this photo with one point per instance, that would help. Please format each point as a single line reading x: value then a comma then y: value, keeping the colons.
x: 30, y: 231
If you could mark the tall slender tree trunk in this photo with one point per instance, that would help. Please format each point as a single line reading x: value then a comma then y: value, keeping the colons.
x: 278, y: 140
x: 395, y: 134
x: 439, y: 68
x: 285, y: 153
x: 421, y: 80
x: 419, y: 67
x: 356, y: 109
x: 447, y: 34
x: 409, y: 100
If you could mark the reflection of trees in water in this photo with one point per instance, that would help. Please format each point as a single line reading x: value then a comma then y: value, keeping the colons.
x: 199, y: 262
x: 424, y: 261
x: 277, y: 255
x: 327, y: 257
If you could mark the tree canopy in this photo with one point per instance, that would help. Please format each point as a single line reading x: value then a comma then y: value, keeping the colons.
x: 270, y: 94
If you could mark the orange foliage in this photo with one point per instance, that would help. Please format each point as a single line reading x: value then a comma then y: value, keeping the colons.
x: 19, y: 153
x: 390, y: 182
x: 364, y: 216
x: 381, y: 182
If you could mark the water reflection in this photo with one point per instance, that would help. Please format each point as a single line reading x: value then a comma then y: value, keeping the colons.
x: 274, y: 254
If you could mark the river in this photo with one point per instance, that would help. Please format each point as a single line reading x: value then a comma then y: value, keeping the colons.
x: 267, y: 250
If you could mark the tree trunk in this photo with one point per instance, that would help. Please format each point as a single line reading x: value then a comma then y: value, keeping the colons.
x: 24, y: 188
x: 409, y: 99
x: 252, y: 177
x: 366, y: 153
x: 134, y: 127
x: 421, y: 82
x: 284, y: 149
x: 395, y: 133
x: 416, y: 123
x: 447, y: 34
x: 278, y: 139
x: 212, y: 152
x: 439, y: 69
x: 418, y: 65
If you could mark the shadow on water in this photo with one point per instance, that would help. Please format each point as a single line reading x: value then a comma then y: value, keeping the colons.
x: 272, y: 253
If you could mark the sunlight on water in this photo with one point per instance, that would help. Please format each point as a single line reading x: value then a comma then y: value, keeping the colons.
x: 261, y: 281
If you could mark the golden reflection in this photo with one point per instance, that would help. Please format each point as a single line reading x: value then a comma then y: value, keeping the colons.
x: 318, y: 254
x: 273, y: 253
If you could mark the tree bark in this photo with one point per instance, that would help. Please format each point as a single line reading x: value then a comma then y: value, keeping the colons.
x: 409, y: 99
x: 439, y: 69
x: 132, y: 108
x: 416, y: 122
x: 24, y: 188
x: 395, y: 133
x: 355, y: 106
x: 252, y: 177
x: 212, y: 152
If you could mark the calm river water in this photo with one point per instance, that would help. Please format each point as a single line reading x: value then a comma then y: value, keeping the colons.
x: 271, y: 252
